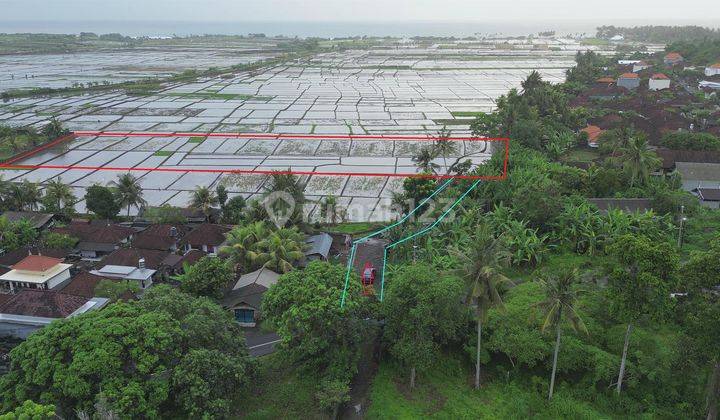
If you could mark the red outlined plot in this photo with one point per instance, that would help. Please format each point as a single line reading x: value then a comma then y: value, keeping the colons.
x: 14, y: 162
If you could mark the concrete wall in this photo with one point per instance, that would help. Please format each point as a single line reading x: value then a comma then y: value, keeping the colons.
x: 658, y: 84
x: 628, y: 83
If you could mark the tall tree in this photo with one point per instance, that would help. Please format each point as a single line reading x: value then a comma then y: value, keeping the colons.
x: 329, y: 209
x: 316, y: 332
x: 559, y: 306
x: 59, y: 198
x: 54, y: 129
x: 210, y: 276
x: 482, y: 257
x: 280, y: 250
x: 101, y: 201
x: 129, y: 192
x: 222, y: 194
x: 638, y: 161
x: 425, y: 160
x: 422, y: 311
x: 204, y: 199
x: 25, y: 196
x: 442, y: 146
x: 242, y: 244
x: 639, y: 285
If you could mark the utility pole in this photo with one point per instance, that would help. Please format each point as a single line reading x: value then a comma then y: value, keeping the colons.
x: 415, y: 247
x: 682, y: 221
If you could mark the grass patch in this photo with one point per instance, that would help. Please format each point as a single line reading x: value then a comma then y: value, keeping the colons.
x: 279, y: 392
x: 163, y: 153
x: 445, y: 392
x: 454, y: 121
x: 352, y: 228
x: 467, y: 114
x: 196, y: 139
x: 581, y: 155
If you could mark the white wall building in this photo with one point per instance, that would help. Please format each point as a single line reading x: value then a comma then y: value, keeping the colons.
x: 659, y: 82
x: 36, y: 272
x: 713, y: 70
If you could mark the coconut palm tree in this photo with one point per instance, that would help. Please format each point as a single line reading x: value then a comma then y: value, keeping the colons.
x: 329, y: 209
x: 638, y: 161
x: 54, y: 129
x: 203, y: 199
x: 532, y: 82
x: 242, y: 248
x: 443, y: 146
x: 129, y: 191
x: 558, y: 306
x: 59, y: 197
x: 25, y: 196
x: 482, y: 257
x: 280, y: 250
x: 424, y: 160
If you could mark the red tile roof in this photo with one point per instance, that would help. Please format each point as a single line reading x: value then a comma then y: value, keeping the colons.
x: 37, y: 263
x: 83, y: 284
x: 593, y: 132
x: 13, y: 257
x: 42, y: 303
x: 159, y: 237
x: 659, y: 76
x: 605, y: 80
x: 628, y: 76
x: 206, y: 234
x: 131, y: 256
x: 103, y: 234
x: 715, y: 66
x: 673, y: 56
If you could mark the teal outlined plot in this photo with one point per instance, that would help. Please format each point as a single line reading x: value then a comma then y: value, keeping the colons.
x: 351, y: 258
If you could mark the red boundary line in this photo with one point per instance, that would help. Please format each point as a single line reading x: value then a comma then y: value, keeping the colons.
x: 9, y: 163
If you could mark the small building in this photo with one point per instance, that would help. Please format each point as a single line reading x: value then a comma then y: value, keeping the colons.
x: 36, y: 272
x: 29, y: 310
x: 605, y: 81
x: 628, y: 81
x: 207, y: 238
x: 658, y: 81
x: 709, y: 197
x: 97, y: 240
x: 39, y: 221
x: 640, y: 66
x: 244, y: 299
x: 673, y: 59
x: 708, y: 85
x: 143, y: 276
x: 318, y: 247
x: 593, y: 133
x: 698, y: 175
x: 162, y: 237
x: 713, y: 70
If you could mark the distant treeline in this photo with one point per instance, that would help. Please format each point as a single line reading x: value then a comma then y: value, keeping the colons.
x: 659, y: 34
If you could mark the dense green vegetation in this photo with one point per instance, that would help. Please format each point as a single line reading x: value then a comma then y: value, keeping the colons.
x: 15, y: 140
x: 659, y: 34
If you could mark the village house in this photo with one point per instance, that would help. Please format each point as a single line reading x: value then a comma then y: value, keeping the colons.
x: 318, y: 247
x: 593, y: 133
x: 36, y: 272
x: 39, y: 221
x: 673, y: 59
x: 206, y: 237
x: 31, y: 309
x: 713, y: 70
x: 658, y: 81
x: 709, y: 197
x: 245, y: 297
x: 698, y: 175
x: 163, y: 237
x: 97, y: 239
x: 140, y: 274
x: 640, y: 66
x: 628, y: 81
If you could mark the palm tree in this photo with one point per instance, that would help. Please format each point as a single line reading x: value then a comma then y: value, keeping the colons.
x: 424, y: 160
x: 5, y: 193
x: 25, y: 196
x: 54, y: 129
x: 58, y: 197
x: 329, y: 209
x: 242, y: 248
x: 558, y: 306
x: 443, y: 146
x: 129, y: 191
x: 280, y: 250
x: 480, y: 268
x: 203, y: 199
x: 533, y: 81
x: 638, y: 160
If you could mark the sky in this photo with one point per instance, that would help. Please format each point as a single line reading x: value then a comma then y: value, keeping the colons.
x: 606, y: 11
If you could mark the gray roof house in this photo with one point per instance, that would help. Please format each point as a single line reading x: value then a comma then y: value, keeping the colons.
x: 38, y: 220
x: 318, y: 247
x: 698, y: 175
x: 709, y: 197
x: 143, y: 276
x: 245, y: 297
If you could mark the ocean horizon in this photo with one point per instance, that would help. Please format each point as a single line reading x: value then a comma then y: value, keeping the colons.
x: 305, y: 29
